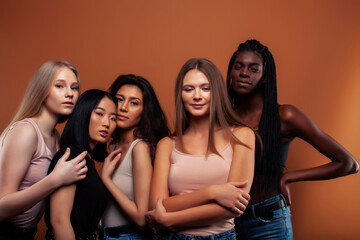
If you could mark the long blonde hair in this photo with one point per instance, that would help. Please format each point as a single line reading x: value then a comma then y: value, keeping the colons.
x: 221, y: 112
x: 38, y: 90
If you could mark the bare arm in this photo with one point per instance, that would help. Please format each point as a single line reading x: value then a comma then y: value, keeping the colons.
x: 61, y: 203
x: 19, y: 146
x: 142, y: 171
x: 296, y: 124
x: 242, y: 163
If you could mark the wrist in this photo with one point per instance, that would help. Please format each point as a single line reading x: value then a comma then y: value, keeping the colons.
x: 212, y: 193
x: 54, y: 180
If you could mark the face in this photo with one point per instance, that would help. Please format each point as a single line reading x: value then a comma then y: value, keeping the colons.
x: 130, y: 106
x: 247, y: 72
x: 102, y: 122
x: 63, y: 93
x: 196, y: 93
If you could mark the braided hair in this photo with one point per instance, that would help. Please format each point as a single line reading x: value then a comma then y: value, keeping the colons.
x: 269, y: 163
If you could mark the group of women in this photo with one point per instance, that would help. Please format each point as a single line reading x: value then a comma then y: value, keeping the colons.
x: 219, y: 175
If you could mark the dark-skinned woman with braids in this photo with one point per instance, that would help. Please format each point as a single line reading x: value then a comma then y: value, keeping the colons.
x: 251, y: 84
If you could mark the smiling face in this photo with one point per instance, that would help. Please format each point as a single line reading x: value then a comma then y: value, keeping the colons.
x: 196, y: 93
x: 130, y: 106
x: 247, y: 72
x: 102, y: 122
x: 63, y: 93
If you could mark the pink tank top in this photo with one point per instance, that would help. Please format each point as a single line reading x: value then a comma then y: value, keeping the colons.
x: 37, y: 170
x: 189, y: 173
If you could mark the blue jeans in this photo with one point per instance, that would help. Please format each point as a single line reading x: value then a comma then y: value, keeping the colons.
x: 171, y: 235
x: 136, y: 235
x: 277, y: 227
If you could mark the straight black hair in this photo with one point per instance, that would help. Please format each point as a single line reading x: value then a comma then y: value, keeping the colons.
x: 76, y: 131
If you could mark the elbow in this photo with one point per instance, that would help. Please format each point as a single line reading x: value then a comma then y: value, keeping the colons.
x: 355, y: 167
x: 350, y: 167
x: 57, y: 223
x: 140, y: 221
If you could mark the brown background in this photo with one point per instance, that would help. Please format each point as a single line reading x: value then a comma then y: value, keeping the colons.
x: 315, y: 45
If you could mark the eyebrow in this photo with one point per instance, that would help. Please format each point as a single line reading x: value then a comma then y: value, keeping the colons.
x: 63, y: 81
x: 136, y: 98
x: 250, y: 64
x: 99, y: 108
x: 190, y: 85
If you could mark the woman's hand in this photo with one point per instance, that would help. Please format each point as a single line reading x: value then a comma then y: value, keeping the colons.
x: 285, y: 188
x: 231, y: 196
x: 156, y: 217
x: 110, y: 164
x: 67, y: 172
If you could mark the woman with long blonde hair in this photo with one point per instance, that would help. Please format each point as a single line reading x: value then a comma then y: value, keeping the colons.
x: 27, y: 146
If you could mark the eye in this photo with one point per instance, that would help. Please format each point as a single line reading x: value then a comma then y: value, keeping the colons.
x: 59, y: 86
x: 99, y: 113
x: 120, y: 99
x: 206, y: 88
x: 187, y: 89
x: 255, y: 70
x: 113, y: 119
x: 237, y: 67
x: 75, y: 88
x: 134, y: 103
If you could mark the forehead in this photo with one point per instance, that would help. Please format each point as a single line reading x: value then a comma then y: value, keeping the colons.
x: 107, y: 104
x: 128, y: 90
x: 64, y: 73
x: 195, y: 77
x: 249, y: 57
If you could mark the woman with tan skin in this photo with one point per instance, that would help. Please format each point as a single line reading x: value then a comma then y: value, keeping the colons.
x: 251, y: 83
x: 141, y: 123
x: 27, y: 147
x: 211, y: 149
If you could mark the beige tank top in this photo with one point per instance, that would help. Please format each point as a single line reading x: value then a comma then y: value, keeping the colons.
x: 189, y: 173
x: 37, y: 170
x: 123, y: 178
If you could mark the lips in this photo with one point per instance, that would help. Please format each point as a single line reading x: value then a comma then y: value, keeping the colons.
x: 197, y: 106
x: 121, y: 117
x: 103, y: 133
x: 69, y: 104
x: 241, y: 82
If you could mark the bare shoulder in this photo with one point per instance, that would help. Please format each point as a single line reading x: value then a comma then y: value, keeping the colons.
x: 141, y: 146
x: 289, y: 113
x: 165, y: 143
x: 244, y: 134
x: 22, y: 135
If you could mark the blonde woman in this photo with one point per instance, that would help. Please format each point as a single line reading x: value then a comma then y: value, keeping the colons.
x: 28, y: 145
x: 211, y: 149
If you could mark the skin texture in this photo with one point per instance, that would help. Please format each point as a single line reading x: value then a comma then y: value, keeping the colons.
x: 201, y: 207
x: 246, y: 76
x: 21, y: 143
x: 130, y: 107
x: 102, y: 118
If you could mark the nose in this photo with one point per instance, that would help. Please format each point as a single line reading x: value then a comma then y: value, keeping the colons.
x: 244, y: 72
x: 106, y: 121
x: 124, y: 107
x: 69, y: 92
x: 197, y: 94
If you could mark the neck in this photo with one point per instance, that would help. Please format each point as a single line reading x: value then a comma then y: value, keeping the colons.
x: 250, y: 103
x: 199, y: 125
x: 46, y: 122
x: 126, y: 136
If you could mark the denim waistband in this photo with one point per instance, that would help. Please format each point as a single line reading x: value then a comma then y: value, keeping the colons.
x: 269, y: 201
x: 227, y: 235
